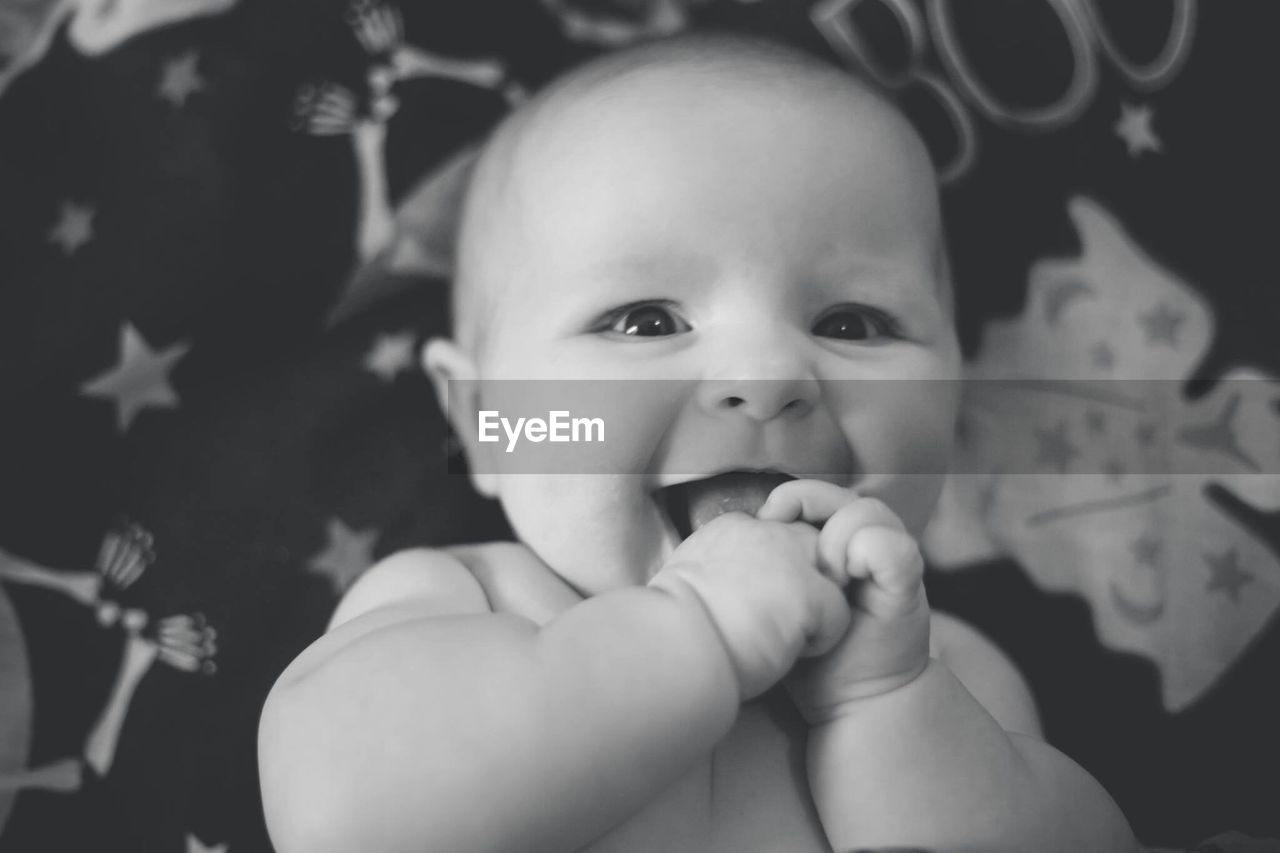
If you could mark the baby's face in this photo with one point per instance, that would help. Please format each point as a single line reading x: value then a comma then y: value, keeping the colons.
x: 775, y: 261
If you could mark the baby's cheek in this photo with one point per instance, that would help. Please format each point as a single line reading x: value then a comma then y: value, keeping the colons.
x: 912, y: 452
x: 593, y: 531
x: 914, y: 497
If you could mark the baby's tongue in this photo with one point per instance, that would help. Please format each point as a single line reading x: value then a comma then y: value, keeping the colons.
x: 739, y: 491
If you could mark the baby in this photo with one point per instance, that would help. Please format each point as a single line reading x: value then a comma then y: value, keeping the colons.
x: 720, y: 640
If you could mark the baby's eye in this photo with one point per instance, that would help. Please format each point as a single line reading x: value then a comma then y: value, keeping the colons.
x: 643, y: 320
x: 855, y: 323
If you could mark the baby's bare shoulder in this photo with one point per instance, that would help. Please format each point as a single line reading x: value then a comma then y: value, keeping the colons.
x: 414, y: 584
x: 434, y: 579
x: 516, y: 581
x: 404, y: 586
x: 497, y: 577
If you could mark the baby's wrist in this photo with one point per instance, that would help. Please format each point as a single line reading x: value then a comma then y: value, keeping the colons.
x: 674, y: 583
x: 853, y: 698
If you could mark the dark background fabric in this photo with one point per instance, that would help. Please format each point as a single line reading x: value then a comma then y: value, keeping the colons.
x: 287, y: 463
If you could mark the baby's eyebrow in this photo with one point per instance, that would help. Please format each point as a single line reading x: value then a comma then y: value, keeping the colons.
x: 879, y: 276
x: 650, y: 267
x: 843, y: 263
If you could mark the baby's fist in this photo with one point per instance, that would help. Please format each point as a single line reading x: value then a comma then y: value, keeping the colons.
x: 757, y: 582
x: 865, y: 545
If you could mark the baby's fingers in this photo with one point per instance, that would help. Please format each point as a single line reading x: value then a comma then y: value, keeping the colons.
x: 812, y: 501
x: 836, y: 539
x: 890, y: 559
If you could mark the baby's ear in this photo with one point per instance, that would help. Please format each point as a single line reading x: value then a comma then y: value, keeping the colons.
x: 454, y: 376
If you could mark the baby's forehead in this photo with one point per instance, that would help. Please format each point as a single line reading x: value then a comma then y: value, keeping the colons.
x: 625, y: 106
x: 671, y: 91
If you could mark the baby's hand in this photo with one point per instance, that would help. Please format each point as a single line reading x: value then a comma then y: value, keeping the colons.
x: 756, y: 580
x: 864, y: 544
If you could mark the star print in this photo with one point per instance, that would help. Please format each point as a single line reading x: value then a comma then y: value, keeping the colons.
x: 390, y: 355
x: 1146, y: 550
x: 1161, y: 324
x: 74, y: 228
x: 1055, y: 448
x: 195, y: 845
x: 180, y: 79
x: 1134, y: 127
x: 140, y: 380
x: 1104, y: 358
x: 1226, y: 574
x: 345, y: 556
x: 1096, y: 421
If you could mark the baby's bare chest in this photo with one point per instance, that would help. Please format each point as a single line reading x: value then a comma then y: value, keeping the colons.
x: 751, y: 796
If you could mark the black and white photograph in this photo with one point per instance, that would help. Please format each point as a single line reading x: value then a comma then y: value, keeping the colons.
x: 639, y: 426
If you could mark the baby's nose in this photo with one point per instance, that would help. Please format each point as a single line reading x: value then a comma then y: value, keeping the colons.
x: 759, y: 369
x: 763, y: 399
x: 778, y: 390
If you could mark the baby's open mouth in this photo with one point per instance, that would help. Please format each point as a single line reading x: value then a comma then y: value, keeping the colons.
x: 691, y: 505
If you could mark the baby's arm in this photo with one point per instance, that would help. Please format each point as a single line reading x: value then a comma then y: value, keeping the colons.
x: 902, y: 753
x: 928, y: 764
x: 429, y: 723
x: 407, y: 728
